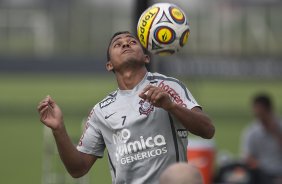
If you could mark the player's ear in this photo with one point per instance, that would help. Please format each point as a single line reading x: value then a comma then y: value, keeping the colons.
x: 147, y: 59
x: 109, y: 66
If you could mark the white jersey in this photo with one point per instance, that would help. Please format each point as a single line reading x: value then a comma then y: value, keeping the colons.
x: 142, y: 140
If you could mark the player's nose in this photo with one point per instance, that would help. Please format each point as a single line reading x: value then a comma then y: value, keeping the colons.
x: 125, y: 45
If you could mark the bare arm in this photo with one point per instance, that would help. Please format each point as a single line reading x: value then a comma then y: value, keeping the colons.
x: 76, y: 163
x: 194, y: 120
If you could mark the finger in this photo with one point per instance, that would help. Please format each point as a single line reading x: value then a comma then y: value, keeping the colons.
x: 163, y: 96
x: 46, y: 99
x: 153, y: 97
x: 144, y: 92
x: 42, y: 105
x: 143, y: 96
x: 43, y: 110
x: 42, y: 101
x: 44, y: 113
x: 146, y: 89
x: 159, y: 96
x: 150, y: 92
x: 50, y: 100
x: 52, y: 103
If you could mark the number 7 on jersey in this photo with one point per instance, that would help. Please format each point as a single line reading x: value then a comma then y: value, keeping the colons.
x: 124, y: 118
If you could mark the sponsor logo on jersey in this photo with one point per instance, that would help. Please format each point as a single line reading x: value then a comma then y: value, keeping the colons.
x: 107, y: 102
x: 128, y: 151
x: 174, y: 95
x: 107, y: 116
x: 182, y: 133
x: 145, y: 107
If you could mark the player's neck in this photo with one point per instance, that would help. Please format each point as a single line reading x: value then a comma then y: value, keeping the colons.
x: 127, y: 80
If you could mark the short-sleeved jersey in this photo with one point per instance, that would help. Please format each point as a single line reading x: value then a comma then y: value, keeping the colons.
x: 142, y: 140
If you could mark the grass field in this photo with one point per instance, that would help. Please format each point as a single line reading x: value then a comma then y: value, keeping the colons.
x: 21, y: 133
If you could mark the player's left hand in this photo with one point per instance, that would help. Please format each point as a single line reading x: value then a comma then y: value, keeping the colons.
x: 157, y: 97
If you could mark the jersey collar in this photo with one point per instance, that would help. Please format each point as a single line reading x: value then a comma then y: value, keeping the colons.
x: 137, y: 88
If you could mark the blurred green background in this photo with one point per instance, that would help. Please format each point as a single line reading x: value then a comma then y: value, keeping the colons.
x: 226, y: 101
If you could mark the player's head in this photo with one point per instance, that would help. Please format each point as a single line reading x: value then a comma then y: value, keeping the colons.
x: 262, y: 106
x: 125, y: 50
x: 181, y: 173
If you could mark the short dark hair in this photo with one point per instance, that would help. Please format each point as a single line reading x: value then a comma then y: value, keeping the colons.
x: 264, y: 100
x: 119, y: 33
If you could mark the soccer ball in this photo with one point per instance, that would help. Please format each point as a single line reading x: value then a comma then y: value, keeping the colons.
x: 163, y: 29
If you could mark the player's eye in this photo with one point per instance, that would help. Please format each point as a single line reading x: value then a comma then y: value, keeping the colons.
x: 133, y: 42
x: 117, y: 45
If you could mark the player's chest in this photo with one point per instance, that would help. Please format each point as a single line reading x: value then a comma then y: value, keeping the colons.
x: 127, y: 112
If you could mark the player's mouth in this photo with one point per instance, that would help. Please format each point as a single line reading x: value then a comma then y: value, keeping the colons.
x: 127, y: 51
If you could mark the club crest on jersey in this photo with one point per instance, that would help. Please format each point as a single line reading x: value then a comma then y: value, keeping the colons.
x: 145, y: 107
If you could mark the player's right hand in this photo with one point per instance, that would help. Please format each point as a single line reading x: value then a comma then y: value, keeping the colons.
x: 50, y: 113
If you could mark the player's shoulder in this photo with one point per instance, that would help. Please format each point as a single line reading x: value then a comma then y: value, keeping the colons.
x: 252, y: 129
x: 173, y: 86
x: 157, y: 77
x: 166, y: 82
x: 109, y: 99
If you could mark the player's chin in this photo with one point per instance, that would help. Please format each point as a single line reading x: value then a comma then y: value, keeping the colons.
x: 131, y: 59
x: 128, y: 56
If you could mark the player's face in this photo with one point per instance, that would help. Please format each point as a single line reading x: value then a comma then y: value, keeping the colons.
x: 261, y: 112
x: 125, y: 50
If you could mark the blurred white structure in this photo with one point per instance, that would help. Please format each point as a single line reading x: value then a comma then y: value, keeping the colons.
x: 218, y: 27
x: 53, y: 171
x: 229, y: 38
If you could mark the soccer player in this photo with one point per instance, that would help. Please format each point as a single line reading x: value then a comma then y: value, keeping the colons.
x: 262, y: 141
x: 143, y: 124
